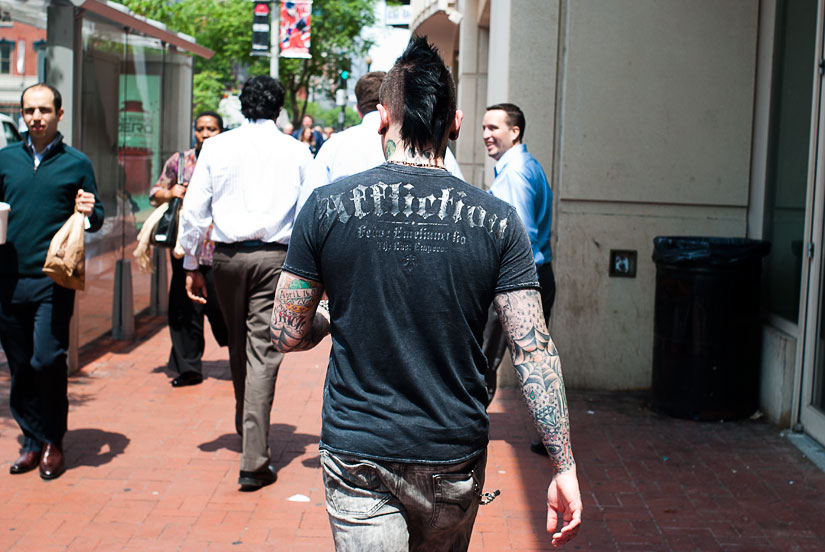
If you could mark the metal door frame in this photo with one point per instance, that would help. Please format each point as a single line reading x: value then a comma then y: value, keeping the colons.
x: 805, y: 416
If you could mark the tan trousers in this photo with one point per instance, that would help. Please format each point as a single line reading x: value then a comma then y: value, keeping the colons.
x: 245, y: 280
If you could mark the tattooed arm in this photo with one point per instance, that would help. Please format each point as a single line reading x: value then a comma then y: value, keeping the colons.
x: 298, y: 323
x: 538, y: 368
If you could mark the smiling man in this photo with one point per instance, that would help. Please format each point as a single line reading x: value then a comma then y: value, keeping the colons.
x: 44, y: 181
x: 520, y: 181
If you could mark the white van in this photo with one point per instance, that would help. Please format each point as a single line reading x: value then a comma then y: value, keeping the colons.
x: 10, y: 133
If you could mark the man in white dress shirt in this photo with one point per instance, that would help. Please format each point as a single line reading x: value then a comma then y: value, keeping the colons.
x: 358, y: 148
x: 248, y: 184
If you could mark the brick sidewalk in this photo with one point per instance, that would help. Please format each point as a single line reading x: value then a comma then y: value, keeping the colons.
x: 155, y: 468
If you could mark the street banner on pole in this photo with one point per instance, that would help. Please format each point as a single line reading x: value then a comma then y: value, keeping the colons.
x: 295, y: 28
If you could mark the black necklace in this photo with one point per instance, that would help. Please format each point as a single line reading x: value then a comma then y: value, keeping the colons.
x: 424, y: 165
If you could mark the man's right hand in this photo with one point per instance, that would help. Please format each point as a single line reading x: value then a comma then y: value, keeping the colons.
x: 196, y: 286
x: 564, y: 497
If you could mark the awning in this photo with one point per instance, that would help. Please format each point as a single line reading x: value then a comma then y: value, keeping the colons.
x: 122, y: 15
x: 33, y: 12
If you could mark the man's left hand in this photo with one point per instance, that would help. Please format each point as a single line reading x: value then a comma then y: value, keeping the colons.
x: 84, y: 202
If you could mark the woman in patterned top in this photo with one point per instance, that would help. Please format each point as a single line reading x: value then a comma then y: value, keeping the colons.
x: 186, y: 316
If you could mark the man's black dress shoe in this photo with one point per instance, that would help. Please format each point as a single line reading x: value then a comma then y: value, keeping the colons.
x: 538, y: 448
x: 29, y: 460
x: 53, y: 464
x: 254, y: 480
x: 187, y: 378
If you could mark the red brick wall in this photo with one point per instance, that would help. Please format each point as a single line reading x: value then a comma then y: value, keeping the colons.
x: 20, y: 31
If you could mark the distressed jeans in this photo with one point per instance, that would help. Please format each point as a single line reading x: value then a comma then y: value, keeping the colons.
x: 400, y: 507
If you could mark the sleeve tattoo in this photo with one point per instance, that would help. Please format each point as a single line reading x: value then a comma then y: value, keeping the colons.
x: 539, y: 371
x: 297, y: 322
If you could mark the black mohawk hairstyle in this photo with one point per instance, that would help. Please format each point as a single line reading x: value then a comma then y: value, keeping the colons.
x: 421, y: 93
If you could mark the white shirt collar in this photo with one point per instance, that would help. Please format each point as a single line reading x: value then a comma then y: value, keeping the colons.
x: 261, y: 122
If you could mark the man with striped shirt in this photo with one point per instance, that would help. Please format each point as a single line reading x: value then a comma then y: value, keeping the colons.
x: 247, y: 183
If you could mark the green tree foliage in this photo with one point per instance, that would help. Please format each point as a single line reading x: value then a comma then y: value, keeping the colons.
x: 207, y: 91
x: 329, y: 117
x: 225, y: 27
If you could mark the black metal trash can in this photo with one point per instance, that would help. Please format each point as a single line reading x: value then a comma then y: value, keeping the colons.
x: 707, y: 336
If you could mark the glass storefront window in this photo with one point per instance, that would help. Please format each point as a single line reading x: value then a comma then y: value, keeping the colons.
x: 102, y: 58
x: 123, y: 120
x: 788, y: 155
x: 128, y: 101
x: 139, y: 109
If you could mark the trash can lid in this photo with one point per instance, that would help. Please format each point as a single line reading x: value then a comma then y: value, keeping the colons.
x: 707, y: 251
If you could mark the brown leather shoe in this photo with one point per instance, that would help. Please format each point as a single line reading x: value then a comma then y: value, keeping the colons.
x: 26, y: 463
x: 52, y: 465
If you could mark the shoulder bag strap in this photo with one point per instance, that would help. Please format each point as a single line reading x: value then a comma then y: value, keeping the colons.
x: 181, y: 165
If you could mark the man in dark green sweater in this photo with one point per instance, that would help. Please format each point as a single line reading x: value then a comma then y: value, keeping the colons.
x: 44, y: 181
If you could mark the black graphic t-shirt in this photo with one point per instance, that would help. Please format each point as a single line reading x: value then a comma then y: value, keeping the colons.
x: 411, y: 259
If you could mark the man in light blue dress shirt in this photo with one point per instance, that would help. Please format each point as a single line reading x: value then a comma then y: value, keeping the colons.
x: 520, y: 181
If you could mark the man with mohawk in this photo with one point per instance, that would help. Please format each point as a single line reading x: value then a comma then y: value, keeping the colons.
x: 410, y: 258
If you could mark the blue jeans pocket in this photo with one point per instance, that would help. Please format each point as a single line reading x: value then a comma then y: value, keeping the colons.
x: 455, y: 494
x: 353, y: 487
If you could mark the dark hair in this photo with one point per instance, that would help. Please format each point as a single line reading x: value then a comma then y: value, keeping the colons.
x: 366, y: 91
x: 419, y: 91
x: 213, y: 115
x: 58, y: 99
x: 262, y: 98
x: 515, y: 117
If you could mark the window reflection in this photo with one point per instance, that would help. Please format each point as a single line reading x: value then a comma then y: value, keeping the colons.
x: 126, y: 126
x: 788, y: 156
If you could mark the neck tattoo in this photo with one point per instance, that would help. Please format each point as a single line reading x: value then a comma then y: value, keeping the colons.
x: 389, y: 150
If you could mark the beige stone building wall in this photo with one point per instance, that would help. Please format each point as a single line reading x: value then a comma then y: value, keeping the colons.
x: 641, y: 113
x: 654, y: 135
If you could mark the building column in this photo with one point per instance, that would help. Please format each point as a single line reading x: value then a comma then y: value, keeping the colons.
x: 60, y: 68
x: 524, y: 55
x: 523, y: 69
x: 63, y: 62
x: 473, y: 46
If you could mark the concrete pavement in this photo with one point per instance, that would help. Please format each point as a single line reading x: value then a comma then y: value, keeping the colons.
x: 151, y: 467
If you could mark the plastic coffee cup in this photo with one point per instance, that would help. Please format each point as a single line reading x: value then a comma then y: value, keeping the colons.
x: 4, y: 220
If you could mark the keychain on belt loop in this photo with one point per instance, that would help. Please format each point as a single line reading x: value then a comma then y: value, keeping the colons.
x: 488, y: 497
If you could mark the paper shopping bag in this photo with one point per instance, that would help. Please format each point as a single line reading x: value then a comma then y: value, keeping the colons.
x: 66, y: 259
